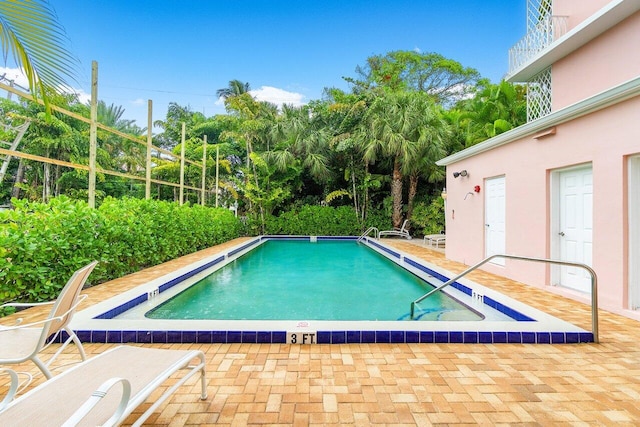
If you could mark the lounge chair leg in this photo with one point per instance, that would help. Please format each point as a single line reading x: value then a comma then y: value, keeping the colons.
x: 43, y: 367
x: 78, y: 343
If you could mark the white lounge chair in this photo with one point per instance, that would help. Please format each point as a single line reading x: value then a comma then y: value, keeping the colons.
x: 400, y: 232
x: 105, y: 389
x: 23, y: 342
x: 434, y: 240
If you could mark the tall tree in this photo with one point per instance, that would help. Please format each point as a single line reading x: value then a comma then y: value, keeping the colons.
x: 298, y: 135
x: 235, y: 88
x: 255, y: 120
x: 444, y: 79
x: 30, y: 32
x: 401, y: 126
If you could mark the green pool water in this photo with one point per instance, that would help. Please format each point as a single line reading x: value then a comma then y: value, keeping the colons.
x: 300, y: 280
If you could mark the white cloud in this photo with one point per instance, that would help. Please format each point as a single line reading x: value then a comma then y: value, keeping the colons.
x: 138, y: 102
x: 278, y: 96
x: 83, y: 97
x: 16, y: 75
x: 273, y: 95
x: 20, y: 79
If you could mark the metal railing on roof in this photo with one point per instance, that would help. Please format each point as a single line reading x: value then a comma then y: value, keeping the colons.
x: 546, y: 32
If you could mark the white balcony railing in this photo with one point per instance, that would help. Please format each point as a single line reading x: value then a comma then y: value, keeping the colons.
x: 545, y: 32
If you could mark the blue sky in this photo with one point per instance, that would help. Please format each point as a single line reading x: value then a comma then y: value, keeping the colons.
x: 183, y: 51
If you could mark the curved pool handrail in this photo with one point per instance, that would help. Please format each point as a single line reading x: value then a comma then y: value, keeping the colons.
x: 376, y: 233
x: 594, y: 284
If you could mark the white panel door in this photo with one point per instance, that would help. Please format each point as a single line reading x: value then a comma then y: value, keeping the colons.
x: 495, y: 212
x: 576, y: 226
x: 634, y: 233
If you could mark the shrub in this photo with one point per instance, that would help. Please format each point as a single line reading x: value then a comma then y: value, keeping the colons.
x: 41, y: 245
x: 429, y: 218
x: 314, y: 220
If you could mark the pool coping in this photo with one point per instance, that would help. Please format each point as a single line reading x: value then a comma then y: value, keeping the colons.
x: 96, y: 324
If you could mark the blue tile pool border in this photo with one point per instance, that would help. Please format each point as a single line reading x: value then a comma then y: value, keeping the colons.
x: 324, y: 337
x: 331, y: 337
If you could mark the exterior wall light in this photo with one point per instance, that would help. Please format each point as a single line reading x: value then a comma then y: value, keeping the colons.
x: 461, y: 173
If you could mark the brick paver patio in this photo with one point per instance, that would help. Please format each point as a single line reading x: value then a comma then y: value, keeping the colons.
x: 407, y: 384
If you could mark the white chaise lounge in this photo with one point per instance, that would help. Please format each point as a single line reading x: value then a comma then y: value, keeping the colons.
x: 105, y: 389
x: 23, y: 342
x: 434, y: 240
x: 399, y: 232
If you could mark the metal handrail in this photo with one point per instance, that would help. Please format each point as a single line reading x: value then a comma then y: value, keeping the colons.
x: 594, y: 284
x: 369, y: 230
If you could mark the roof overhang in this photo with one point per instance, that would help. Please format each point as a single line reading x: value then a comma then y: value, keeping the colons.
x: 606, y: 18
x: 615, y: 95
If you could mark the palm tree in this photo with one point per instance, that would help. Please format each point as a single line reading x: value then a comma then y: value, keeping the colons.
x: 30, y: 32
x: 298, y: 136
x: 493, y: 110
x: 401, y: 127
x: 235, y: 88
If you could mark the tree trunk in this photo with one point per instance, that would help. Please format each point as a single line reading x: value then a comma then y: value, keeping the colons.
x: 56, y: 184
x: 353, y: 183
x: 365, y: 203
x: 413, y: 190
x: 396, y: 192
x: 15, y: 192
x: 46, y: 183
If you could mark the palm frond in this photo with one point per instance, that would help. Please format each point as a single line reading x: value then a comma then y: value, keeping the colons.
x: 30, y: 33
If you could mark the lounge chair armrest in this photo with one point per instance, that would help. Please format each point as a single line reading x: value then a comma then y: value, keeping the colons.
x: 95, y: 398
x: 26, y: 304
x: 19, y: 324
x: 13, y: 388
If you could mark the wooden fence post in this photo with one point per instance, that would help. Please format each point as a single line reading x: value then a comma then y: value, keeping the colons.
x: 93, y: 134
x: 204, y: 170
x: 147, y: 187
x: 182, y: 164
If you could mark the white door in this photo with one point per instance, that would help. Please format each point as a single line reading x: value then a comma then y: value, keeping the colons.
x: 494, y: 224
x: 634, y: 233
x: 575, y: 226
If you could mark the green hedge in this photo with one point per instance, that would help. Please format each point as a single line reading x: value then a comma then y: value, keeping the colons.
x: 313, y: 220
x: 41, y: 245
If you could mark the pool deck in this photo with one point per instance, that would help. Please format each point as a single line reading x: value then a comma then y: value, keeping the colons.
x: 402, y: 384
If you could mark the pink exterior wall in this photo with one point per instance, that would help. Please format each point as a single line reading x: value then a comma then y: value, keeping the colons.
x: 602, y: 139
x: 577, y: 11
x: 607, y: 61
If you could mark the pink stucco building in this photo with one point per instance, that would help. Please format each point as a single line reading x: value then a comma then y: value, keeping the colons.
x: 566, y: 185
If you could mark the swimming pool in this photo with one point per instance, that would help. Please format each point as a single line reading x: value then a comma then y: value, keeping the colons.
x: 118, y: 319
x: 326, y: 280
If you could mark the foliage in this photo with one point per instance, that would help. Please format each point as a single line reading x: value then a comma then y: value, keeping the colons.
x: 428, y: 218
x: 493, y: 110
x: 336, y: 194
x: 41, y: 245
x: 315, y: 221
x: 30, y: 32
x: 444, y: 79
x: 404, y: 128
x: 376, y: 144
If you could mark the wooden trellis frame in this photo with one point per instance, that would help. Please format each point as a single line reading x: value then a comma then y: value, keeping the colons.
x: 92, y: 167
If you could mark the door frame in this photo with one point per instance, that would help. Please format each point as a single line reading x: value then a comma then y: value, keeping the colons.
x: 555, y: 241
x: 498, y: 261
x: 633, y: 223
